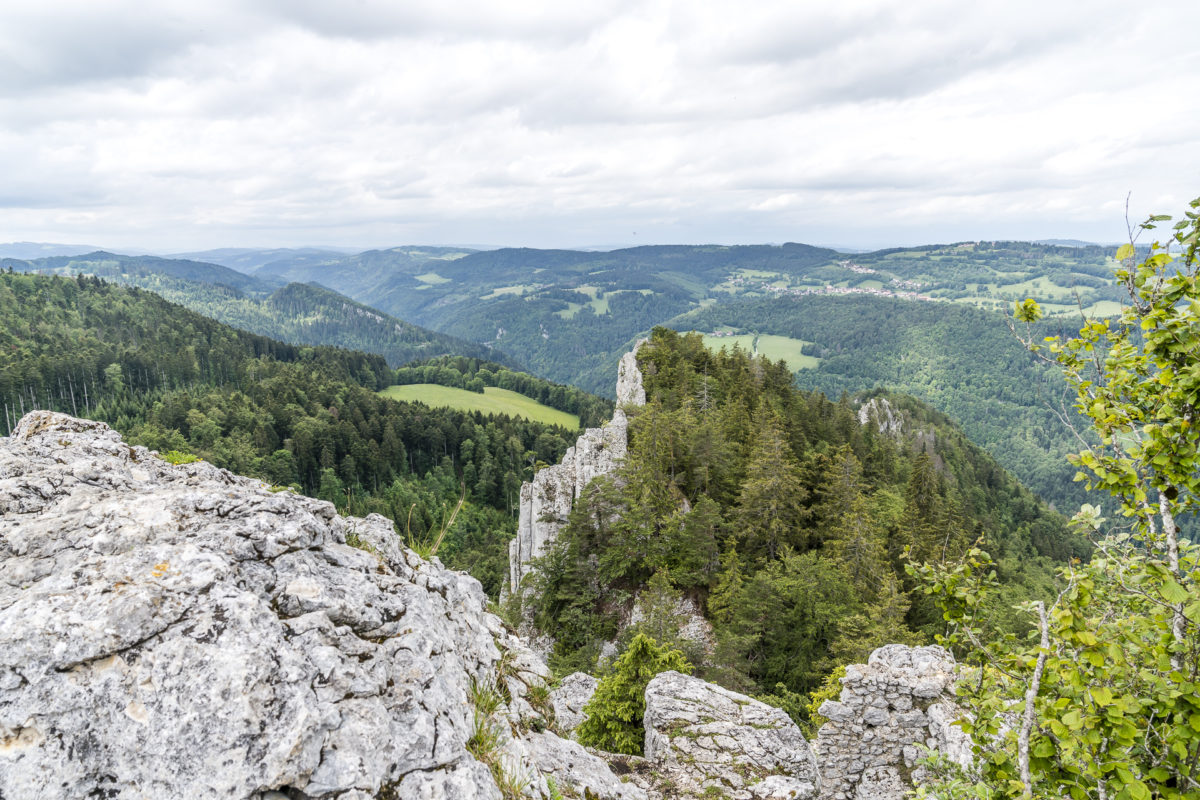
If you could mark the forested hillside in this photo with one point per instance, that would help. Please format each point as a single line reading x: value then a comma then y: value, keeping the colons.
x: 570, y: 314
x: 309, y: 417
x: 566, y: 314
x: 295, y: 313
x: 964, y: 361
x: 786, y: 519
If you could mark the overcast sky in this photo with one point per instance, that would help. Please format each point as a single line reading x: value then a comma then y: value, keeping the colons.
x: 188, y: 125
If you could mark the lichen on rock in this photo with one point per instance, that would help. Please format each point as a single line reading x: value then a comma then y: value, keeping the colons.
x: 706, y: 739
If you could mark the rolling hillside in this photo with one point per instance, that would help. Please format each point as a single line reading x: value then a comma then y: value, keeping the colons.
x: 295, y: 313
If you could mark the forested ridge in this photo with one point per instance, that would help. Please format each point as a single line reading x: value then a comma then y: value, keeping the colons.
x: 299, y: 313
x: 308, y: 417
x: 785, y: 519
x: 964, y: 361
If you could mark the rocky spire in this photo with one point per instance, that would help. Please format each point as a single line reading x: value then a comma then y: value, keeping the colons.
x: 546, y: 501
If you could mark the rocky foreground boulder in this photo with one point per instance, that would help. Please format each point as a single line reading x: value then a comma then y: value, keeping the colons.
x: 568, y: 699
x: 716, y: 743
x: 181, y: 632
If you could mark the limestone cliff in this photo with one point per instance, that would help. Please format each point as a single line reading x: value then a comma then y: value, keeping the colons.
x: 181, y: 632
x: 176, y: 631
x: 546, y: 501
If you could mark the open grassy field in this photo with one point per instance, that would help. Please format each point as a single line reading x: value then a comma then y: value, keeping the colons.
x: 772, y: 347
x: 492, y: 401
x: 503, y: 290
x: 431, y: 278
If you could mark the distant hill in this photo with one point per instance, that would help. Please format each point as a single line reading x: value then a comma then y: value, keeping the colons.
x: 569, y: 314
x: 129, y: 269
x: 245, y: 259
x: 295, y: 313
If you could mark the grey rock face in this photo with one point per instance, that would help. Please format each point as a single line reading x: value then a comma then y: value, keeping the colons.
x: 572, y: 768
x: 181, y: 632
x: 708, y: 739
x: 630, y: 390
x: 568, y: 700
x: 879, y: 412
x: 546, y: 501
x: 900, y: 700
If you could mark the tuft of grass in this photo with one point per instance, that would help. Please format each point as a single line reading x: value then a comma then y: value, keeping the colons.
x: 428, y: 547
x: 178, y: 457
x: 354, y: 540
x: 487, y: 740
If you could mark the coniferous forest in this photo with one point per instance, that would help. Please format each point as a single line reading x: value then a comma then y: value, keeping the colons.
x: 786, y: 520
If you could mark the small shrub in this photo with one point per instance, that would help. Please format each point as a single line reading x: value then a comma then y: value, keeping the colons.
x: 178, y: 457
x: 615, y: 711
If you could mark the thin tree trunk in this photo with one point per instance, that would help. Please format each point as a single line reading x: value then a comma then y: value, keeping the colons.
x: 1178, y: 621
x: 1030, y: 696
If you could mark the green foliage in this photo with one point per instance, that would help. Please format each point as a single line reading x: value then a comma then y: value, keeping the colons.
x: 614, y: 714
x: 1107, y: 693
x: 177, y: 457
x: 830, y: 689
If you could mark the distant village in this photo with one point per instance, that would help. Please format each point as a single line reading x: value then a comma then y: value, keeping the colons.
x: 903, y: 289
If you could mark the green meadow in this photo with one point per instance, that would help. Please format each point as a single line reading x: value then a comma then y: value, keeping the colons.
x: 772, y: 347
x: 492, y: 401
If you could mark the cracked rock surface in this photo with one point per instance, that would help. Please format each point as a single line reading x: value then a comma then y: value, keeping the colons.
x: 709, y: 741
x: 181, y: 632
x: 568, y: 700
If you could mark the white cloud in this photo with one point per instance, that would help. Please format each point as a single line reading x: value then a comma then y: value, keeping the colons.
x: 551, y: 124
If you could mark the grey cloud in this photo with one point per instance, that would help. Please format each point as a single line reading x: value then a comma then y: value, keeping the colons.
x: 374, y: 19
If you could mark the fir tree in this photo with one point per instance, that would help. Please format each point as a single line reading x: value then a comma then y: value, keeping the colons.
x: 614, y: 714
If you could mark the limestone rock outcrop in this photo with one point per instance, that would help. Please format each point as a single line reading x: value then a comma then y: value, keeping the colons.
x: 709, y: 741
x: 571, y: 767
x: 630, y: 390
x: 898, y: 702
x: 546, y: 501
x: 573, y: 693
x: 181, y: 632
x: 880, y: 413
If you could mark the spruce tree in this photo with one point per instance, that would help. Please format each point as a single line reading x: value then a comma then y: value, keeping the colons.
x: 614, y: 714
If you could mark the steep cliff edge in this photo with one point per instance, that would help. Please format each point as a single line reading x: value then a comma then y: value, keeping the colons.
x: 178, y: 631
x: 546, y: 501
